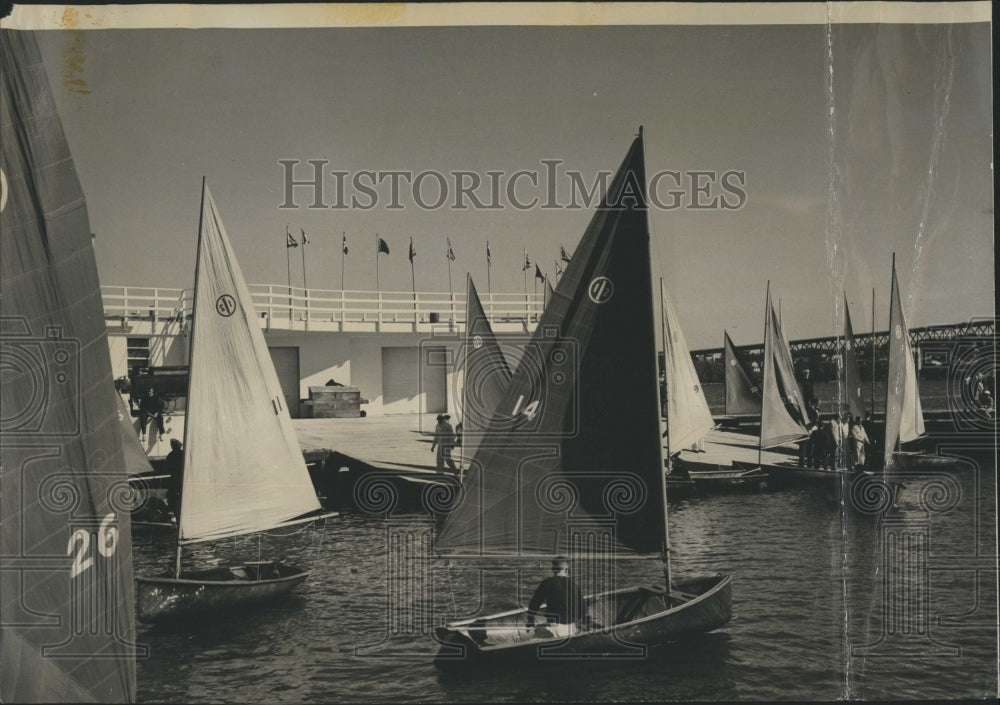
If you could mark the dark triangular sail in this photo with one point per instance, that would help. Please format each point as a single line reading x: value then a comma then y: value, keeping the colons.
x: 576, y: 438
x: 486, y: 373
x: 904, y: 417
x: 850, y: 382
x: 66, y: 583
x: 742, y: 395
x: 782, y: 418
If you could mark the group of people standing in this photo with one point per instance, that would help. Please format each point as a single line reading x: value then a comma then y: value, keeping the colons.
x: 838, y: 441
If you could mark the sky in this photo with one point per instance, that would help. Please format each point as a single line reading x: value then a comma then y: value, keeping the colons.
x: 886, y: 150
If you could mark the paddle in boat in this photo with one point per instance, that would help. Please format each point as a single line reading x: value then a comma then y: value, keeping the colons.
x: 243, y: 469
x: 66, y: 602
x: 573, y: 464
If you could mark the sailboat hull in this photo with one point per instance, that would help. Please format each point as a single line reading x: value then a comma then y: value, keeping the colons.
x: 623, y: 624
x: 202, y: 593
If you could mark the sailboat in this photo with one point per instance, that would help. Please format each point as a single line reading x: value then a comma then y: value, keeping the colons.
x: 574, y: 465
x: 783, y: 414
x: 904, y: 416
x: 689, y: 419
x: 66, y: 584
x: 486, y: 373
x: 851, y: 397
x: 243, y: 471
x: 742, y: 395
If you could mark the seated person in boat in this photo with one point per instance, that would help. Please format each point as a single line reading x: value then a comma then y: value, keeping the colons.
x: 562, y: 601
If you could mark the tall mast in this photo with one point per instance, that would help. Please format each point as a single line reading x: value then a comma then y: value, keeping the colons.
x: 892, y: 294
x: 763, y: 371
x: 664, y: 469
x: 873, y: 353
x: 194, y: 324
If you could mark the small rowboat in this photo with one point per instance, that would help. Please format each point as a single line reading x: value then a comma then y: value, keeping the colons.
x: 202, y: 593
x: 620, y: 623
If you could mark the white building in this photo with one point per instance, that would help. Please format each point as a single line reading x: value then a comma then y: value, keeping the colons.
x: 398, y: 348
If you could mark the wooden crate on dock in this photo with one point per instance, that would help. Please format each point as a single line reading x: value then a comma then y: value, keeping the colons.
x: 333, y: 403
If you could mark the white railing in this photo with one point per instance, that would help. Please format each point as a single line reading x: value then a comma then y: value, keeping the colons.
x: 278, y: 303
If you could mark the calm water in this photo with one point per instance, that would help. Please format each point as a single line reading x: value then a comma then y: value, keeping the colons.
x: 811, y: 619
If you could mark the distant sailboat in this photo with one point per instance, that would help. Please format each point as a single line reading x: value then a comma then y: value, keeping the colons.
x: 904, y: 417
x: 486, y: 373
x: 742, y: 395
x: 850, y: 382
x: 244, y: 471
x: 570, y: 432
x: 65, y: 539
x: 783, y: 413
x: 688, y: 417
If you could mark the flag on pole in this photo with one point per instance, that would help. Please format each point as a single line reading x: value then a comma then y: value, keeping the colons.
x: 527, y: 263
x: 562, y: 254
x: 450, y: 254
x: 289, y: 240
x: 305, y: 240
x: 344, y: 243
x: 489, y: 257
x: 413, y: 252
x: 538, y: 273
x: 380, y: 245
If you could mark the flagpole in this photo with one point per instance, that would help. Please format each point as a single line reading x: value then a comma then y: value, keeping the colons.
x: 343, y: 241
x: 288, y: 265
x: 377, y: 287
x: 489, y: 266
x: 873, y: 352
x: 413, y: 286
x: 304, y: 285
x: 447, y: 257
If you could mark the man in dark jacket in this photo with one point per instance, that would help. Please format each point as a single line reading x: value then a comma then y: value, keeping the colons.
x: 175, y: 467
x: 151, y: 407
x: 561, y: 598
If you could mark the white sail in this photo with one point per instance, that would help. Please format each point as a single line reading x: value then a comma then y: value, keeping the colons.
x: 243, y: 468
x: 688, y: 416
x: 904, y: 417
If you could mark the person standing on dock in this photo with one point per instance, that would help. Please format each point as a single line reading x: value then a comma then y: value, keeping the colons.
x: 859, y: 442
x: 151, y: 408
x: 444, y: 440
x: 175, y: 467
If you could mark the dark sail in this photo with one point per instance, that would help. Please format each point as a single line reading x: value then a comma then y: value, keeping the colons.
x: 850, y: 382
x: 486, y: 373
x: 742, y: 395
x: 782, y: 418
x: 66, y: 580
x: 576, y: 438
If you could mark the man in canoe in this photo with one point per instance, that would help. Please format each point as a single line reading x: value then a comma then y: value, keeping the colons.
x: 561, y: 598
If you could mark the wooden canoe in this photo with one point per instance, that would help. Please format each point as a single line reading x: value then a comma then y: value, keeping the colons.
x: 623, y: 624
x: 203, y: 593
